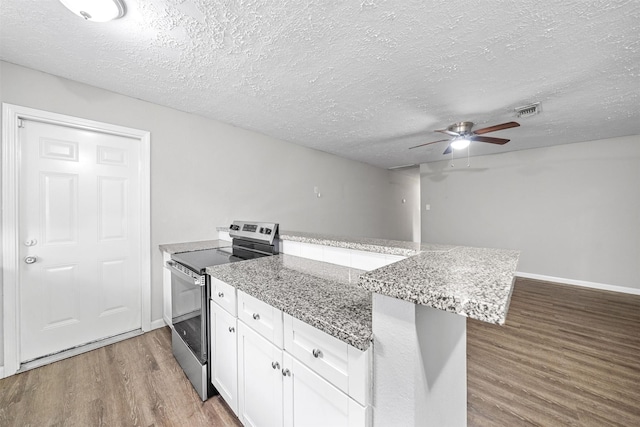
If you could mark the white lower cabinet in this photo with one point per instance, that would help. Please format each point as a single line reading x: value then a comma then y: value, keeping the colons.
x: 224, y: 355
x: 311, y: 401
x: 259, y: 380
x: 166, y: 289
x: 307, y: 379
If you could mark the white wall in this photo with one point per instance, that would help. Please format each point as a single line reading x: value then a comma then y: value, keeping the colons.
x: 193, y: 159
x: 573, y: 210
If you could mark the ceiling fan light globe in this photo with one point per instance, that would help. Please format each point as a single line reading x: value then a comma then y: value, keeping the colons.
x: 96, y: 11
x: 460, y: 143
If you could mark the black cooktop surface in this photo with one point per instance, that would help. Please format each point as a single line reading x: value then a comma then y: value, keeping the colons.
x: 198, y: 261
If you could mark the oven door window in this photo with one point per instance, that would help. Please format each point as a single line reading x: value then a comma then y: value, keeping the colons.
x: 187, y: 316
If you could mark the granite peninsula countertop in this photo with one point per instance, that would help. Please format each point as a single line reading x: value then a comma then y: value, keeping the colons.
x: 474, y: 282
x: 320, y: 294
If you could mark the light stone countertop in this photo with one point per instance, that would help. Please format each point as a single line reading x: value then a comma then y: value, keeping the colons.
x: 381, y: 246
x: 322, y: 295
x: 366, y: 244
x: 176, y: 248
x: 474, y: 282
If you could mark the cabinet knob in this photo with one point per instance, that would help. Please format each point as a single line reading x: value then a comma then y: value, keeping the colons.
x: 275, y: 365
x: 286, y: 373
x: 220, y: 294
x: 232, y: 329
x: 256, y: 316
x: 316, y: 353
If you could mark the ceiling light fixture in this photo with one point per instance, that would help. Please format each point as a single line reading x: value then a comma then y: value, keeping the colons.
x: 96, y: 10
x: 460, y: 143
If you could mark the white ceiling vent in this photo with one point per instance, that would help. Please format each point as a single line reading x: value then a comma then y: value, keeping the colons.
x: 528, y: 110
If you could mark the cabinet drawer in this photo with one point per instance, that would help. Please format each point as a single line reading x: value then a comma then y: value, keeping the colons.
x: 344, y: 366
x: 321, y: 352
x: 261, y: 317
x: 224, y: 295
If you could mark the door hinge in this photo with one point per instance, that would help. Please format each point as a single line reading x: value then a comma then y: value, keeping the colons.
x: 20, y: 123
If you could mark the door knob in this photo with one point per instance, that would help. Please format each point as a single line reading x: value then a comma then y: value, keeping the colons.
x: 31, y: 242
x: 30, y: 259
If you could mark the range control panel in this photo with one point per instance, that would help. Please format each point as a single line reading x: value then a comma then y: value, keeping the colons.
x: 261, y: 231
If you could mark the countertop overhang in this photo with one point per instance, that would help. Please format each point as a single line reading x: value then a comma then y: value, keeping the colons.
x: 474, y: 282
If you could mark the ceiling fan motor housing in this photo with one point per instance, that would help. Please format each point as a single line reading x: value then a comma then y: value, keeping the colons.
x: 462, y: 128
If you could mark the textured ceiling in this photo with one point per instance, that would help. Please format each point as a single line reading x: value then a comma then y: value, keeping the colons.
x: 362, y: 79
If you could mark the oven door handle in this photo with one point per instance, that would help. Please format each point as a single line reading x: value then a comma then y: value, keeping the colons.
x: 172, y: 266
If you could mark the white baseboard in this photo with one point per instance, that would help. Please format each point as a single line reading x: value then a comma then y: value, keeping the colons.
x: 1, y: 372
x: 583, y: 283
x: 158, y: 324
x: 77, y: 350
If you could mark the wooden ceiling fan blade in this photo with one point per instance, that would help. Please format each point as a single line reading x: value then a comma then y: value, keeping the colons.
x: 448, y: 150
x: 497, y: 128
x: 428, y: 143
x: 490, y: 139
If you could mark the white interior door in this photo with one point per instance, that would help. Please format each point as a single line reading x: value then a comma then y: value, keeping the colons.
x: 79, y: 274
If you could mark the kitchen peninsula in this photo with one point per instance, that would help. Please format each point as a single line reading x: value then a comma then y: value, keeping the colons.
x: 401, y: 306
x: 418, y: 317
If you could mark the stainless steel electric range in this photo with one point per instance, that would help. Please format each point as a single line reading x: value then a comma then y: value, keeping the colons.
x: 190, y: 293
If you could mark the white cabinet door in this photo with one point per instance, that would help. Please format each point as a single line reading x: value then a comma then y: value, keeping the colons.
x: 166, y: 289
x: 311, y: 401
x: 259, y: 380
x: 224, y: 355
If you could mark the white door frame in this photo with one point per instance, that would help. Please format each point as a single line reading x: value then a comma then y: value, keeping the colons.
x: 11, y: 119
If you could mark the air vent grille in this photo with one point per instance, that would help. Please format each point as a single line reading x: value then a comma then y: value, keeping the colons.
x: 528, y: 110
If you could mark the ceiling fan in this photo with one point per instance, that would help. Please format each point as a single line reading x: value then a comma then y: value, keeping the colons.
x: 462, y: 135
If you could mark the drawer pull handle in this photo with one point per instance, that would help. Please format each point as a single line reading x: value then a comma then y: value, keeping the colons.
x: 256, y: 316
x: 316, y: 353
x: 286, y: 373
x: 220, y: 294
x: 232, y: 329
x: 275, y: 365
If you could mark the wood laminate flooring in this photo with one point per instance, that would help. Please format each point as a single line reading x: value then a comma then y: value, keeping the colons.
x: 136, y: 382
x: 567, y: 356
